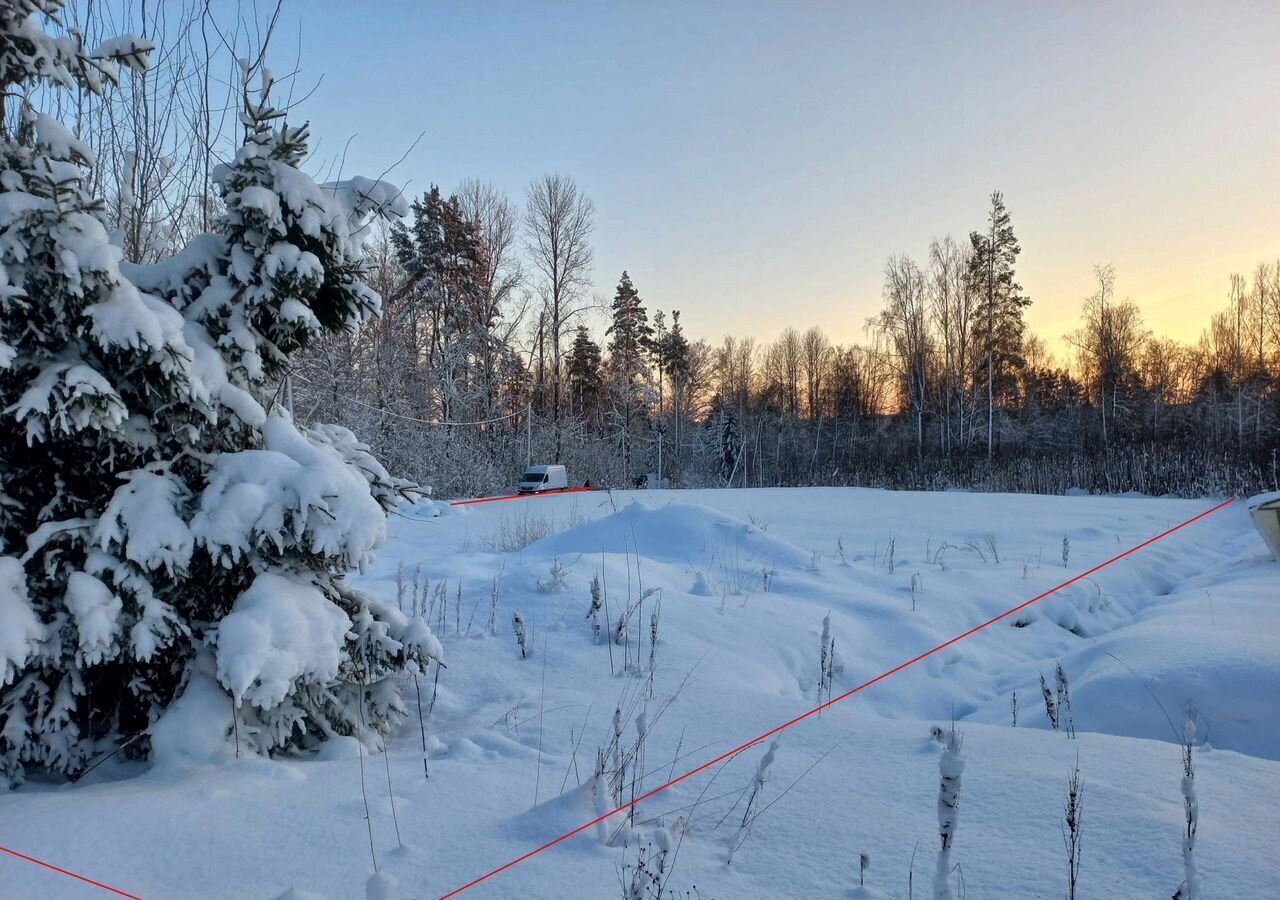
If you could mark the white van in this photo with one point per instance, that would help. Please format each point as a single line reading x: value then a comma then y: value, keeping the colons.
x: 543, y: 478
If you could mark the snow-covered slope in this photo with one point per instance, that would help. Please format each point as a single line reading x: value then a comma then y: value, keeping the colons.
x: 1186, y: 626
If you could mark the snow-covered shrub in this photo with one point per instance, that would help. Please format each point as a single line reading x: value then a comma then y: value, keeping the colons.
x: 557, y: 577
x: 155, y: 508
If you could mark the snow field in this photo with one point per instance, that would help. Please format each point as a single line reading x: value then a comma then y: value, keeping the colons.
x: 730, y: 664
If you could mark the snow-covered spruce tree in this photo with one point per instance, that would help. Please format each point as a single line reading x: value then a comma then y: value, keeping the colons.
x: 158, y: 527
x: 80, y: 351
x: 280, y: 513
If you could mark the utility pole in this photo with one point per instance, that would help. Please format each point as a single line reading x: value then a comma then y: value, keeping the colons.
x: 528, y: 435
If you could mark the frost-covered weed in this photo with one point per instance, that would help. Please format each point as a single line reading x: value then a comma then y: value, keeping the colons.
x: 1072, y: 823
x: 494, y: 596
x: 1050, y: 706
x: 737, y: 575
x: 517, y: 625
x: 457, y: 610
x: 752, y: 809
x: 439, y: 601
x: 557, y: 577
x: 654, y: 620
x: 1064, y: 701
x: 1190, y: 887
x: 597, y: 606
x: 950, y: 770
x: 517, y: 530
x: 989, y: 540
x: 826, y: 659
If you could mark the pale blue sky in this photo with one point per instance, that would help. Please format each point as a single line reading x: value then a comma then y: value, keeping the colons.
x: 753, y: 164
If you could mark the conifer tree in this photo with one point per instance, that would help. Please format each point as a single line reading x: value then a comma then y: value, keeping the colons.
x: 164, y: 527
x: 999, y: 322
x: 443, y: 256
x: 630, y: 341
x: 80, y: 351
x: 584, y: 373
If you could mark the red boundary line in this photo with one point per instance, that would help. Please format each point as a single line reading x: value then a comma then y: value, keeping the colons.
x: 576, y: 490
x: 817, y: 709
x: 97, y: 884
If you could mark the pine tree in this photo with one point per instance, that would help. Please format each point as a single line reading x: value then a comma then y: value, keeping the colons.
x: 443, y: 257
x: 999, y: 323
x: 161, y: 531
x: 584, y: 373
x: 630, y: 341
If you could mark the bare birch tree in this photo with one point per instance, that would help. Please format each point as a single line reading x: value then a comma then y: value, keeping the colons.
x: 559, y: 220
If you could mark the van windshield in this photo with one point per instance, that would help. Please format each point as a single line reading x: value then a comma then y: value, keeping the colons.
x: 531, y: 475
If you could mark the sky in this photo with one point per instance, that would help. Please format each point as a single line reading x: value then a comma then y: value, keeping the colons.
x: 755, y: 164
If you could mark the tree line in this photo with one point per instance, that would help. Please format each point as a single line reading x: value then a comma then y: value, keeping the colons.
x: 490, y: 322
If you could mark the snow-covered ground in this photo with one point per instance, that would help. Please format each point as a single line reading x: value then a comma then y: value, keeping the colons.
x: 1188, y: 626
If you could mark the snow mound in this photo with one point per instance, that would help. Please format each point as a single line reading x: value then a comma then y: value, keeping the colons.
x: 867, y: 893
x: 674, y: 532
x: 557, y: 815
x: 194, y: 729
x: 296, y: 894
x: 1202, y: 654
x: 700, y: 587
x: 382, y: 886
